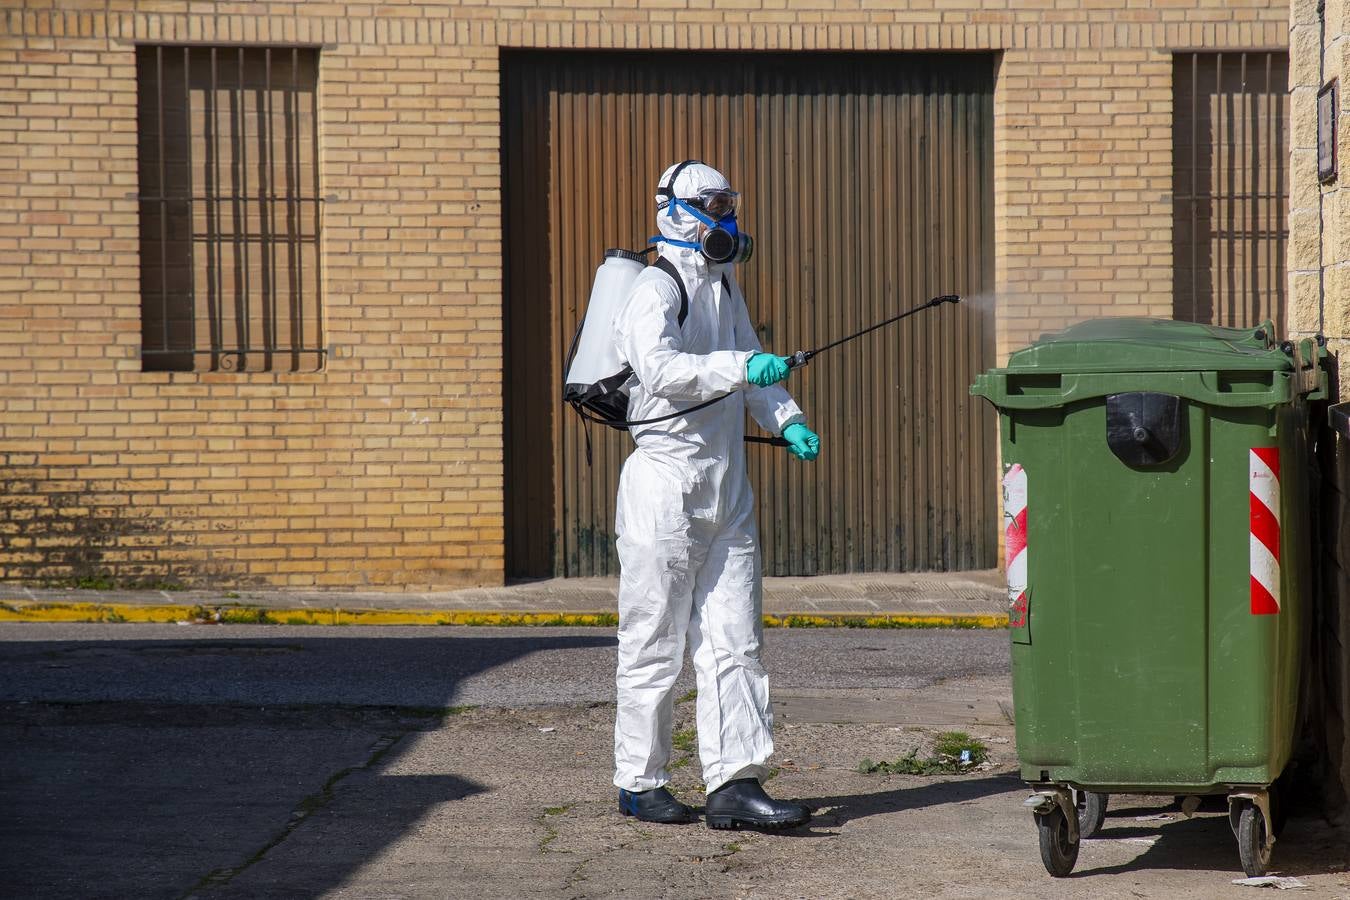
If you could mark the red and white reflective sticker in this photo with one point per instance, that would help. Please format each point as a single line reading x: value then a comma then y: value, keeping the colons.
x: 1015, y: 543
x: 1265, y: 530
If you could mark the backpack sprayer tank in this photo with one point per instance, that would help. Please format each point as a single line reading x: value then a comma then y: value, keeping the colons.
x: 595, y: 375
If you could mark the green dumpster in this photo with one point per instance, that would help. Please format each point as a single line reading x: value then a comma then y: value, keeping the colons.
x: 1155, y: 494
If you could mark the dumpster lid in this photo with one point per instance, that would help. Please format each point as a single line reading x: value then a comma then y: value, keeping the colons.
x: 1152, y: 345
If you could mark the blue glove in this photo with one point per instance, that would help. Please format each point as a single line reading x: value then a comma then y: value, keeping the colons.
x: 765, y: 369
x: 804, y: 443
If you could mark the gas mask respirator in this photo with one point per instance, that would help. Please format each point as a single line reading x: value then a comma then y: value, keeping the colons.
x: 720, y: 240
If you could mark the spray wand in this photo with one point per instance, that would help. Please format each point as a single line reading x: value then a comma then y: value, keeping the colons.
x: 802, y: 357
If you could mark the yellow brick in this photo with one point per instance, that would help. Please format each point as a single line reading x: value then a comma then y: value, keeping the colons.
x: 274, y: 470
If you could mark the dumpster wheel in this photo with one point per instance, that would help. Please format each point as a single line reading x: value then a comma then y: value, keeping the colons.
x: 1059, y: 851
x: 1253, y: 846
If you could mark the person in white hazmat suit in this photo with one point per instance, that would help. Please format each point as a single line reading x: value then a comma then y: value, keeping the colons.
x: 687, y: 539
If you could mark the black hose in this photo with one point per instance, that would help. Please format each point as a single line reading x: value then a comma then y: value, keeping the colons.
x: 626, y: 423
x: 750, y: 439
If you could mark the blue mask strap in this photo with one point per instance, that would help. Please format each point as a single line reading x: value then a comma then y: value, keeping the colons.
x: 676, y: 201
x: 688, y: 245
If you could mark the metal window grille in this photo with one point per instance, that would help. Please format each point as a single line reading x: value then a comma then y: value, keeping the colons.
x: 1231, y: 187
x: 230, y: 208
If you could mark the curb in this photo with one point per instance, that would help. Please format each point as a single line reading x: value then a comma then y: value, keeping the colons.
x: 234, y: 614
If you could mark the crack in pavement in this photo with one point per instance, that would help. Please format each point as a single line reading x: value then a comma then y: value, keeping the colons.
x: 304, y: 809
x: 576, y: 873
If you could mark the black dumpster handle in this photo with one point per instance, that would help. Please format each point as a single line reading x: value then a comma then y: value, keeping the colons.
x: 1338, y: 417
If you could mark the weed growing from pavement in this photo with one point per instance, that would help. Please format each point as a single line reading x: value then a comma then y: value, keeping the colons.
x: 954, y: 752
x: 234, y: 615
x: 954, y: 743
x: 550, y: 830
x: 91, y: 583
x: 683, y: 740
x: 246, y: 615
x: 687, y: 697
x: 109, y: 583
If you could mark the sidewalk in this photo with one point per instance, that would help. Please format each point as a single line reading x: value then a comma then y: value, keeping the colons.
x: 944, y: 599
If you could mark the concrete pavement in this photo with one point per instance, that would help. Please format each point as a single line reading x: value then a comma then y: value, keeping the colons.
x: 959, y: 599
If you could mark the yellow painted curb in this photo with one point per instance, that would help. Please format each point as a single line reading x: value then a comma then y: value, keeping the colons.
x: 898, y: 620
x: 14, y: 610
x: 236, y: 614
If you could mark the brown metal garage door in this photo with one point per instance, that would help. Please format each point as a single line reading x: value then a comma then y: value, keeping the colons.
x: 867, y: 183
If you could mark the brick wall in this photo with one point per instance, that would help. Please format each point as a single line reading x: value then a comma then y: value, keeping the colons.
x: 385, y: 469
x: 1319, y: 281
x: 1086, y: 171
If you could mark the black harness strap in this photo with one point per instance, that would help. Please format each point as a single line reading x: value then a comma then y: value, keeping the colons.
x: 668, y: 267
x: 668, y: 190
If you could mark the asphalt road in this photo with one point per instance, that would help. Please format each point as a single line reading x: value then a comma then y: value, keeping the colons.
x: 432, y: 667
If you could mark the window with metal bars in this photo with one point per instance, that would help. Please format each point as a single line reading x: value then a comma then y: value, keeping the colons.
x: 1230, y: 187
x: 230, y: 208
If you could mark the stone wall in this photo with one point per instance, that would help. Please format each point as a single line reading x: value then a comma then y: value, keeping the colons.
x: 1319, y: 291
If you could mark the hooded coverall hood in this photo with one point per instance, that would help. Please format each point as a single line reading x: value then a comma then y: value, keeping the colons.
x: 678, y: 224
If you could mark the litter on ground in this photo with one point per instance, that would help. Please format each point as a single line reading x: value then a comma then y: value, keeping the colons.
x: 1275, y: 881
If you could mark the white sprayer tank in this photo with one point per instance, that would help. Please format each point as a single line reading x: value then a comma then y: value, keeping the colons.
x: 594, y: 368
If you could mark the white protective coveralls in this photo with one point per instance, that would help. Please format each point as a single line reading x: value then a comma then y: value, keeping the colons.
x: 687, y: 540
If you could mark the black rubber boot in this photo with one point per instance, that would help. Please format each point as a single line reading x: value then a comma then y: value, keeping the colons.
x: 657, y: 805
x: 743, y: 802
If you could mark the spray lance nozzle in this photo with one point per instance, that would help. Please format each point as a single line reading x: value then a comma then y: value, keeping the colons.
x: 802, y: 357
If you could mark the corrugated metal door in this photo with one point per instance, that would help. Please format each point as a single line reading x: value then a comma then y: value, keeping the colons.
x: 867, y: 183
x: 1230, y: 157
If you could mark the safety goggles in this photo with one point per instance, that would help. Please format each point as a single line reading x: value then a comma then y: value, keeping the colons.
x: 717, y: 203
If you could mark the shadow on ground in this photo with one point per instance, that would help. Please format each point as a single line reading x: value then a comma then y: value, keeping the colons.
x: 835, y: 811
x: 1308, y: 846
x: 177, y: 782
